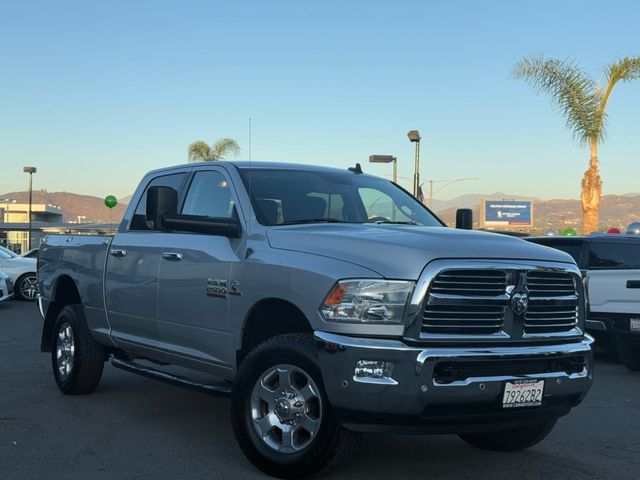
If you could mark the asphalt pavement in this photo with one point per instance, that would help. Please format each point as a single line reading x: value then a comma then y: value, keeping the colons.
x: 135, y: 428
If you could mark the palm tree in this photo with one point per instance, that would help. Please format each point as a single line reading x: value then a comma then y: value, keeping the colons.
x: 582, y: 102
x: 200, y: 151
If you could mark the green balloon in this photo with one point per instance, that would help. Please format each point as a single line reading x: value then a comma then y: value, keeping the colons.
x: 569, y: 232
x: 110, y: 201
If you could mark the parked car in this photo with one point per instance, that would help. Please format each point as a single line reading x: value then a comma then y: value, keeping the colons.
x: 6, y: 287
x: 22, y: 272
x: 33, y: 253
x: 611, y: 271
x: 326, y: 303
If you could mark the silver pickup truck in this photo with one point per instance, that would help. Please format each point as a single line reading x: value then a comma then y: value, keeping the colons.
x: 326, y: 303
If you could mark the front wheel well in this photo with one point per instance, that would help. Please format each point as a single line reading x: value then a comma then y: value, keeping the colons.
x: 270, y: 318
x: 65, y: 293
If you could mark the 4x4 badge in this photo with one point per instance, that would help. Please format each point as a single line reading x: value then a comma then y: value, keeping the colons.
x: 519, y: 302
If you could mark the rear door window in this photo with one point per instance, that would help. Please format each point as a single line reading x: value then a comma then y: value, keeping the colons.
x: 615, y: 256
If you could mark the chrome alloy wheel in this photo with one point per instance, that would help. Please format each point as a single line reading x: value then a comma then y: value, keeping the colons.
x: 65, y: 351
x: 29, y: 288
x: 286, y: 408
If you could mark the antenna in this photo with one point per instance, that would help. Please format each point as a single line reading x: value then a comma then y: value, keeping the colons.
x: 249, y: 250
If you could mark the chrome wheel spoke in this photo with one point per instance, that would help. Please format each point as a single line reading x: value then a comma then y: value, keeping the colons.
x: 267, y: 422
x: 308, y: 392
x: 287, y: 438
x: 266, y: 394
x: 309, y: 424
x: 284, y: 378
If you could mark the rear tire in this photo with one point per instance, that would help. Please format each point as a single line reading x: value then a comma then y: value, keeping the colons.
x: 629, y: 351
x: 77, y: 359
x: 289, y: 364
x: 510, y: 440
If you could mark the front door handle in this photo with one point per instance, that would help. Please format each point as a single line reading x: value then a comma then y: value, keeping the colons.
x: 173, y: 256
x: 118, y: 252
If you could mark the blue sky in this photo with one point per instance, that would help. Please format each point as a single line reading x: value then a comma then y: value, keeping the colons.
x: 96, y: 93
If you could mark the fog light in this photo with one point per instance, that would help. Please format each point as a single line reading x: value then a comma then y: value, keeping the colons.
x: 372, y: 369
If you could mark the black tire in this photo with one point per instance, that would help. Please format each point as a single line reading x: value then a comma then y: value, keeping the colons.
x: 25, y: 282
x: 510, y: 440
x: 331, y: 446
x: 629, y: 351
x: 85, y: 370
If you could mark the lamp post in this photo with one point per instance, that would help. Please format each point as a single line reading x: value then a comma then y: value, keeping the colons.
x: 414, y: 137
x: 30, y: 171
x: 386, y: 159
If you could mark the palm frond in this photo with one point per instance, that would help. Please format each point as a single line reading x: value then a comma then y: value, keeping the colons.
x: 625, y: 69
x: 223, y: 147
x: 199, y: 151
x: 571, y: 90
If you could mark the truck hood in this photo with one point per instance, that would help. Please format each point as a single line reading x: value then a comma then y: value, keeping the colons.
x: 403, y: 251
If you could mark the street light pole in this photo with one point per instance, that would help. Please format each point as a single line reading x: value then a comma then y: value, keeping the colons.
x: 30, y: 171
x: 386, y: 159
x: 414, y: 137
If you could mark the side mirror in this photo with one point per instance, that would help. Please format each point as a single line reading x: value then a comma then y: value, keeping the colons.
x: 464, y: 218
x: 160, y: 201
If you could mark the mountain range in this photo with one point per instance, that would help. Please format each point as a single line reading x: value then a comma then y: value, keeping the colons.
x: 616, y: 211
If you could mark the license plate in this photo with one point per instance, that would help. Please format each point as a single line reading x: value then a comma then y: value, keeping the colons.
x: 634, y: 325
x: 523, y: 393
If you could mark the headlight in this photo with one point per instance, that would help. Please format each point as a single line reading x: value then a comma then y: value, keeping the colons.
x: 367, y: 301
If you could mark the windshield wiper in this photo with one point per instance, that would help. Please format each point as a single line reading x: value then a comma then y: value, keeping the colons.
x: 313, y: 220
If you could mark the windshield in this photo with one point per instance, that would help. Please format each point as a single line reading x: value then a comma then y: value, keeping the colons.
x: 6, y: 253
x: 285, y: 197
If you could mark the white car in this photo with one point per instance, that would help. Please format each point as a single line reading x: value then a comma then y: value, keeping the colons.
x: 22, y: 272
x: 6, y: 287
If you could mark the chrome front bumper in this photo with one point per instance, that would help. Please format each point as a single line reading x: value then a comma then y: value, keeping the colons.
x: 412, y: 394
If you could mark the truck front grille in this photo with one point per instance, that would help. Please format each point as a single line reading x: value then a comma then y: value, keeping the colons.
x: 475, y: 302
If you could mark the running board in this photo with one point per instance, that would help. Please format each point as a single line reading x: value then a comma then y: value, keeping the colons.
x: 222, y: 389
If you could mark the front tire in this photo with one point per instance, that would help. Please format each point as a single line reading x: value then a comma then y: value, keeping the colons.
x: 510, y: 440
x: 629, y: 351
x: 27, y: 287
x: 280, y: 413
x: 76, y: 358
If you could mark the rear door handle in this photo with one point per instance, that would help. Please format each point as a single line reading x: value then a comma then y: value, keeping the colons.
x: 118, y: 252
x: 633, y: 283
x: 172, y: 256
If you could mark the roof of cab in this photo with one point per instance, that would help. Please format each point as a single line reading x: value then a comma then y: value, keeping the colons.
x: 241, y: 164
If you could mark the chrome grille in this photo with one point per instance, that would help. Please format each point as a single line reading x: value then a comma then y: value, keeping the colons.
x: 542, y: 283
x: 550, y: 318
x: 462, y: 319
x: 471, y: 303
x: 485, y: 283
